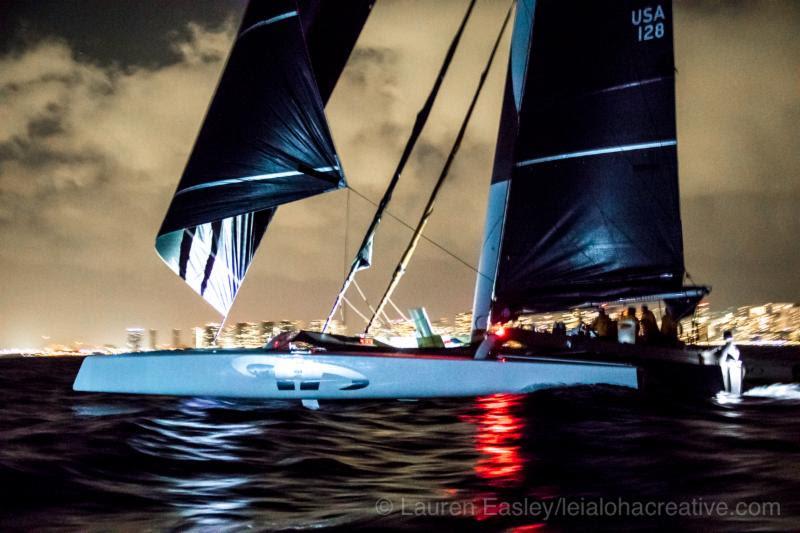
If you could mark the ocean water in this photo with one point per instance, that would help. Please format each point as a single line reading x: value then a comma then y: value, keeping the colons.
x: 571, y: 459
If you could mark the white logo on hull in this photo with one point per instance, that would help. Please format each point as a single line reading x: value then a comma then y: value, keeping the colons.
x: 297, y: 373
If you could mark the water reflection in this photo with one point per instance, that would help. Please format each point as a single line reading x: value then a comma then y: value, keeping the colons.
x: 71, y: 460
x: 499, y: 430
x: 221, y: 465
x: 778, y: 391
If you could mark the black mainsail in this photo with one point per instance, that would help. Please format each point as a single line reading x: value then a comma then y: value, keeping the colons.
x: 264, y: 142
x: 584, y: 203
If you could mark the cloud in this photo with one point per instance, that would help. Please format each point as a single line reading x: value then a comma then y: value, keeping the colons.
x: 85, y: 148
x: 738, y: 89
x: 89, y: 156
x: 738, y: 96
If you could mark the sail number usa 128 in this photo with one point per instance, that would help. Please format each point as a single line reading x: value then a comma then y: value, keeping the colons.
x: 649, y: 22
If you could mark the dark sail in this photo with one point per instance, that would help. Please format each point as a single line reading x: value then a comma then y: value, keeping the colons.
x: 591, y: 209
x: 331, y: 28
x: 264, y: 142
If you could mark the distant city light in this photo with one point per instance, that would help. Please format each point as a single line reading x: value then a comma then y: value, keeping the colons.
x: 769, y: 324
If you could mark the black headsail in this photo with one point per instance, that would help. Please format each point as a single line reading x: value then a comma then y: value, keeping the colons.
x: 264, y: 142
x: 584, y: 204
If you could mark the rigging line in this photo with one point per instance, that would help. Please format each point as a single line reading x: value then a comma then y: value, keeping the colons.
x: 345, y: 254
x: 428, y: 239
x: 399, y: 312
x: 416, y: 131
x: 405, y: 260
x: 353, y: 307
x: 386, y: 318
x: 691, y: 280
x: 364, y: 297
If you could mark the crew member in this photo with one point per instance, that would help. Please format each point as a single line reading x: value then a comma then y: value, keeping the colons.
x: 602, y: 324
x: 649, y: 325
x: 628, y: 327
x: 669, y: 328
x: 727, y: 352
x: 731, y: 365
x: 631, y: 313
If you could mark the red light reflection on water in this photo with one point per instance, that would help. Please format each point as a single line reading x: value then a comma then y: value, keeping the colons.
x: 527, y: 528
x: 501, y: 464
x: 497, y: 440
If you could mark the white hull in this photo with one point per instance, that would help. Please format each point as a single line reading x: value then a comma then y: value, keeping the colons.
x: 267, y: 375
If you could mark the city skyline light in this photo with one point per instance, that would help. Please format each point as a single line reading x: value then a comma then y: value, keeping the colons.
x: 768, y: 323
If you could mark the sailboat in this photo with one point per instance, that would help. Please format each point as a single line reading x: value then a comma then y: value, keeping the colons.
x: 583, y: 209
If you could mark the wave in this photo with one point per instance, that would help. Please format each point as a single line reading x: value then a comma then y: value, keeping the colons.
x: 777, y: 391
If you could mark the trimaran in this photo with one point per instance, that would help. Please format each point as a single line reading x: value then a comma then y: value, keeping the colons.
x: 583, y: 208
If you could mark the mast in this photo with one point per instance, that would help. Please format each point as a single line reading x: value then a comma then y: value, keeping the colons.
x: 363, y: 257
x: 428, y: 211
x: 503, y: 164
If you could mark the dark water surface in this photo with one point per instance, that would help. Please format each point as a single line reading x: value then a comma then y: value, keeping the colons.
x: 123, y: 463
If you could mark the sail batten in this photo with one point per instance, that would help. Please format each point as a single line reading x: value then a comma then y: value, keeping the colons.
x: 274, y: 175
x: 267, y: 22
x: 597, y: 151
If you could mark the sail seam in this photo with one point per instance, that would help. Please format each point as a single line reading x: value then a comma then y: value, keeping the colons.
x: 632, y: 84
x: 597, y: 151
x: 267, y: 22
x: 261, y: 177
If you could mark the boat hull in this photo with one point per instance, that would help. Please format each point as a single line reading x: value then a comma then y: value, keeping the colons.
x: 271, y: 375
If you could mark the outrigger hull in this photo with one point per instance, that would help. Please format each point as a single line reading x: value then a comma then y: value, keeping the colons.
x: 314, y: 376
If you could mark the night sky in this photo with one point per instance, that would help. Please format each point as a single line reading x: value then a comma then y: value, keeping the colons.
x: 100, y: 103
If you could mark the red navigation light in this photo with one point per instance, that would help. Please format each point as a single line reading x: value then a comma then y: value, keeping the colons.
x: 500, y: 332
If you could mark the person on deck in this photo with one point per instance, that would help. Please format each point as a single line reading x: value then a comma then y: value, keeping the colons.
x: 727, y: 352
x: 728, y: 357
x: 649, y: 326
x: 628, y: 327
x: 631, y: 313
x: 601, y: 325
x: 669, y: 328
